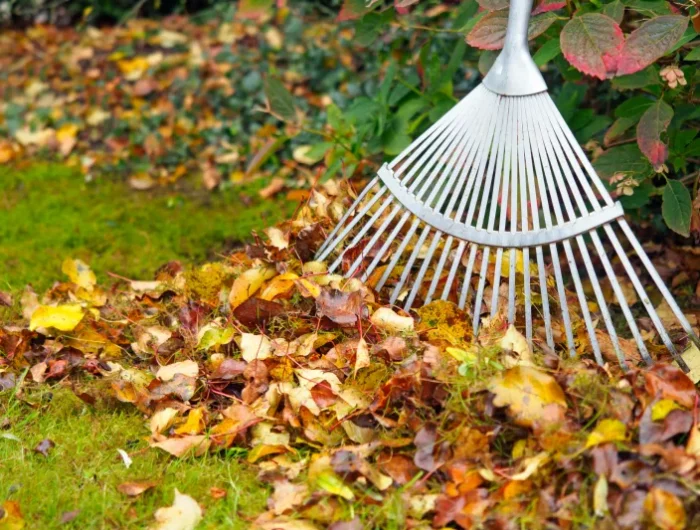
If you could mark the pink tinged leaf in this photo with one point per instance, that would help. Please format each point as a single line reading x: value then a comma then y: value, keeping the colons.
x: 653, y: 123
x: 493, y: 5
x: 548, y: 5
x: 592, y: 44
x: 353, y: 9
x: 649, y: 42
x: 490, y: 32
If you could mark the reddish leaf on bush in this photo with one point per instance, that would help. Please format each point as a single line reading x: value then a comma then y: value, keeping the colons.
x: 490, y: 32
x: 654, y: 121
x: 650, y: 41
x: 353, y: 9
x: 592, y: 43
x: 493, y: 5
x: 548, y: 5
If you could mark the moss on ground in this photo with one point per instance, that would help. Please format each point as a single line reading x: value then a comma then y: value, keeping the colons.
x: 48, y: 212
x: 82, y: 472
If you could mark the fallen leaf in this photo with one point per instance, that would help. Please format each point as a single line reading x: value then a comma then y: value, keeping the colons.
x: 388, y: 320
x: 44, y: 447
x: 61, y: 317
x: 531, y: 396
x: 184, y: 514
x: 665, y: 509
x: 188, y: 368
x: 134, y: 489
x: 247, y: 284
x: 607, y: 430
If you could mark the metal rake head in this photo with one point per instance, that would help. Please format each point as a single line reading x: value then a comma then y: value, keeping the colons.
x: 490, y: 198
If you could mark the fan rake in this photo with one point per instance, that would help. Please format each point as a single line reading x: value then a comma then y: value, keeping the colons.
x: 499, y: 187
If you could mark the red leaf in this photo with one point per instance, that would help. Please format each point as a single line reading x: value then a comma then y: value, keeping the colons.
x: 548, y: 5
x: 592, y: 43
x: 352, y: 9
x: 490, y: 32
x: 654, y: 121
x: 650, y: 41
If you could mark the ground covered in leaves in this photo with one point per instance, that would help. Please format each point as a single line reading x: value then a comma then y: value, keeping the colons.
x: 265, y: 393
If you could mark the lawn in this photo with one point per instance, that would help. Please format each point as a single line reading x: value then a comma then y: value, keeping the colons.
x: 48, y: 212
x: 75, y: 484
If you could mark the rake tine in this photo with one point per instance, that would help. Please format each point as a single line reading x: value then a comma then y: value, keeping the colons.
x: 548, y: 223
x: 491, y: 145
x: 508, y: 167
x: 525, y: 150
x: 462, y: 131
x: 385, y: 247
x: 555, y: 143
x: 497, y: 176
x: 423, y: 148
x: 553, y: 167
x: 466, y: 153
x: 661, y: 286
x: 513, y: 217
x: 638, y: 249
x: 429, y: 158
x: 641, y: 293
x: 347, y: 214
x: 414, y: 226
x: 407, y: 268
x: 472, y: 195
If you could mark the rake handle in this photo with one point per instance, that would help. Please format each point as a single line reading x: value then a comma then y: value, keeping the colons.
x: 514, y: 73
x: 518, y: 20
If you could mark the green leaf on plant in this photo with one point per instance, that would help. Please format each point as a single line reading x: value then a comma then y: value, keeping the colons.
x: 633, y: 107
x: 653, y: 123
x: 548, y: 51
x: 494, y: 5
x: 615, y: 10
x: 619, y: 127
x: 650, y: 41
x: 279, y: 99
x: 677, y: 207
x: 693, y: 55
x: 624, y: 158
x: 646, y: 78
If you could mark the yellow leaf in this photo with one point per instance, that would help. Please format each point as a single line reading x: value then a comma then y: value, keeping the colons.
x: 691, y: 356
x: 361, y: 355
x: 278, y: 238
x: 529, y: 394
x: 662, y: 408
x: 607, y: 430
x: 462, y: 356
x: 194, y: 424
x: 11, y: 516
x: 278, y: 285
x: 61, y: 317
x: 79, y: 273
x: 134, y: 68
x: 531, y: 465
x: 308, y: 288
x: 162, y: 420
x: 248, y: 284
x: 665, y: 509
x: 600, y: 496
x: 334, y: 485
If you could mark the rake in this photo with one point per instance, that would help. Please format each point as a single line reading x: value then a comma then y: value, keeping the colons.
x: 498, y: 180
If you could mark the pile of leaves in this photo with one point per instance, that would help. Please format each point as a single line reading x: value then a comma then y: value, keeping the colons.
x: 357, y: 414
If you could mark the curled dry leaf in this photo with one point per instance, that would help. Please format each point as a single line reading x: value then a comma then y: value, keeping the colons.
x: 134, y: 489
x: 188, y: 368
x: 388, y: 320
x: 184, y: 514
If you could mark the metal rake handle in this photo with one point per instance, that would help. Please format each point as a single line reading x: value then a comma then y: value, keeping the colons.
x: 514, y: 73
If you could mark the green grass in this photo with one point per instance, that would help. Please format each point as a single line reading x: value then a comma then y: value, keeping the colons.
x: 48, y: 212
x: 83, y: 470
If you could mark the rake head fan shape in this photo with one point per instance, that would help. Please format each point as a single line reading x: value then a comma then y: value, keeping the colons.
x: 500, y: 177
